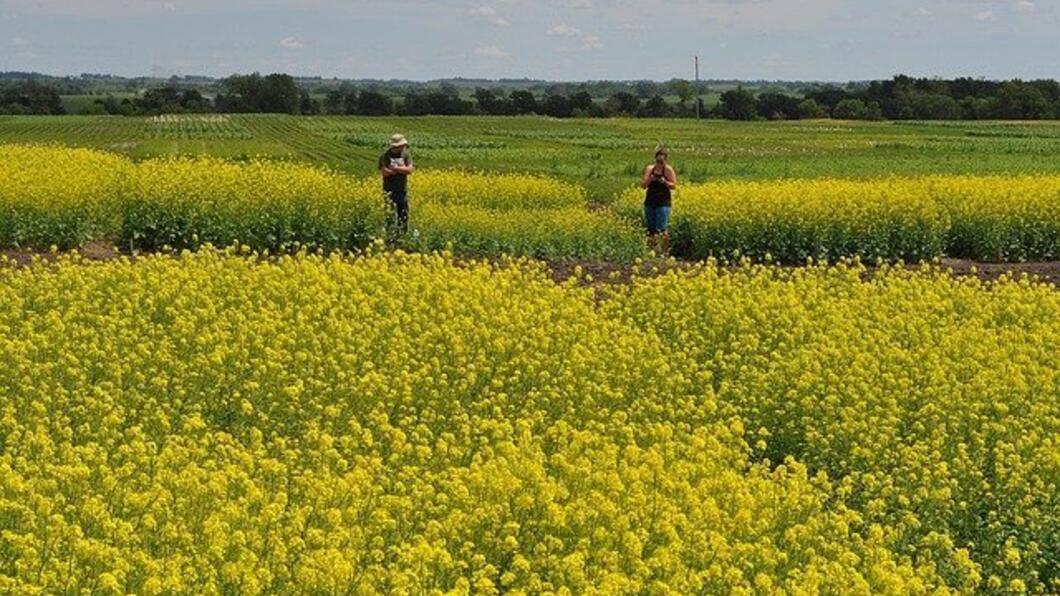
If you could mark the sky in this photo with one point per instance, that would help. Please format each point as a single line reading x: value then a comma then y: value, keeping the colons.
x: 562, y: 40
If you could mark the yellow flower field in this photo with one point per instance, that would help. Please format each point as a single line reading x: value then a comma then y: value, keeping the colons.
x: 59, y: 196
x: 395, y: 423
x: 999, y: 218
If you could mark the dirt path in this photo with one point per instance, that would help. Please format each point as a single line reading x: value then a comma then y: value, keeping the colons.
x: 1048, y: 272
x: 611, y: 273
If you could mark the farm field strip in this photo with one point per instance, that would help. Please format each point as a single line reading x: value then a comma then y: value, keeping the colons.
x: 398, y: 423
x: 986, y: 218
x: 173, y: 204
x: 282, y: 205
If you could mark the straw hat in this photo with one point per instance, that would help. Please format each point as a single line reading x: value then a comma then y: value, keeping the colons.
x: 398, y: 141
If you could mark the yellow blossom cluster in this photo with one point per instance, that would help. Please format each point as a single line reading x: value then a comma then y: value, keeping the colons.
x: 58, y: 196
x: 64, y: 197
x: 398, y: 424
x: 1001, y: 218
x: 188, y: 202
x: 515, y: 214
x: 932, y: 402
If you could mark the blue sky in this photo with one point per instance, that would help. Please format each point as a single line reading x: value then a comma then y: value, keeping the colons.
x: 548, y: 39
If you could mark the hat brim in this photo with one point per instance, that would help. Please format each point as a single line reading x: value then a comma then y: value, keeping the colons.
x: 401, y: 144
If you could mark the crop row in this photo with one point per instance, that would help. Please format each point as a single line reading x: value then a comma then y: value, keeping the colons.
x: 993, y: 218
x: 69, y: 197
x: 397, y: 423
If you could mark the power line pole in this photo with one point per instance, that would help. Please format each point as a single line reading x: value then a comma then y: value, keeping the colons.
x: 696, y: 87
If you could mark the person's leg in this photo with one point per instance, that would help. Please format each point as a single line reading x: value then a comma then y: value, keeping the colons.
x: 650, y: 225
x: 401, y: 211
x: 664, y: 230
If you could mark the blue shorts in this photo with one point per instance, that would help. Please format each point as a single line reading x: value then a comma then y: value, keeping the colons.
x: 657, y: 219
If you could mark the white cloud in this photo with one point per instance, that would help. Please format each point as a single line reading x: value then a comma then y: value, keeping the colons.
x: 488, y: 12
x: 170, y: 6
x: 922, y: 12
x: 292, y: 43
x: 985, y: 16
x: 563, y: 30
x: 491, y: 52
x: 1026, y: 6
x: 19, y: 41
x: 592, y: 42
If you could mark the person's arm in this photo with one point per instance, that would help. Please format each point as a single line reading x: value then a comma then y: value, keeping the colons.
x: 671, y: 177
x: 645, y: 179
x: 406, y: 169
x: 384, y: 168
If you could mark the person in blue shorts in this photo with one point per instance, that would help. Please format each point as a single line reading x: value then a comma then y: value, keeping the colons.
x: 660, y: 180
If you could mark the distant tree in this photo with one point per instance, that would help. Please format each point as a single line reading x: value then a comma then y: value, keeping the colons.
x: 737, y: 104
x: 644, y: 89
x: 1021, y: 101
x: 279, y: 95
x: 308, y: 105
x: 850, y: 109
x: 828, y: 96
x: 415, y: 104
x: 335, y: 101
x: 273, y: 94
x: 557, y: 106
x: 30, y: 97
x: 445, y: 103
x: 873, y: 111
x: 935, y: 106
x: 683, y: 90
x: 373, y: 103
x: 656, y: 107
x: 523, y: 102
x: 778, y: 106
x: 581, y: 100
x: 169, y: 99
x: 809, y: 110
x: 114, y: 106
x: 623, y: 104
x: 489, y: 102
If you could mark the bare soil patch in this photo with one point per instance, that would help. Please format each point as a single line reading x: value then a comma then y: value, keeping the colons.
x: 601, y: 273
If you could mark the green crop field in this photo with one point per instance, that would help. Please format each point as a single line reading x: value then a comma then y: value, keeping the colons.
x: 604, y: 156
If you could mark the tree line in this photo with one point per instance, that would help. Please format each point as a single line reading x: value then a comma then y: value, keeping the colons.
x: 900, y: 98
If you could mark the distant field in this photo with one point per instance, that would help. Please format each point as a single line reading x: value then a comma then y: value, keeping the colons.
x: 603, y: 155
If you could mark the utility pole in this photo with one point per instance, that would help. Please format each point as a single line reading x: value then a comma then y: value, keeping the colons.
x: 697, y: 88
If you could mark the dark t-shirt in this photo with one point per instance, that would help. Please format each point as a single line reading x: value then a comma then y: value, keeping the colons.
x: 400, y: 182
x: 658, y: 194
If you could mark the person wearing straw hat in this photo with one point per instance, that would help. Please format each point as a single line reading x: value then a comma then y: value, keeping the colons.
x: 396, y: 165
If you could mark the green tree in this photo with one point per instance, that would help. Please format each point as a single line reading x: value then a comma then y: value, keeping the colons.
x: 683, y: 90
x: 851, y: 109
x: 737, y: 104
x: 810, y: 110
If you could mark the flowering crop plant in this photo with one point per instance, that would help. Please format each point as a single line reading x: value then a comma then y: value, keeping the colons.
x: 492, y: 214
x: 58, y: 196
x: 998, y: 218
x: 69, y: 197
x: 206, y: 424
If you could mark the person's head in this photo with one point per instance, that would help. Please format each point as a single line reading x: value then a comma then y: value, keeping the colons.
x: 398, y: 142
x: 661, y: 153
